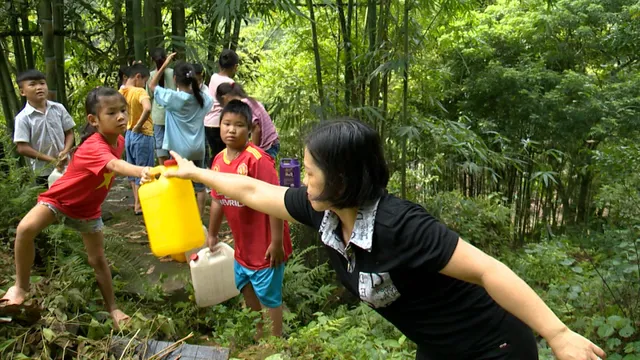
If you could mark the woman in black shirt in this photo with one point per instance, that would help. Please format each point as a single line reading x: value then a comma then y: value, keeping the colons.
x: 454, y: 301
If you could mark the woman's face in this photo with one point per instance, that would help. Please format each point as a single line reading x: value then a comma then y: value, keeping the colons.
x: 314, y: 181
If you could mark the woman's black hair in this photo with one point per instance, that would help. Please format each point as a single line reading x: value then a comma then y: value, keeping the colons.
x: 186, y: 76
x: 92, y: 107
x: 199, y: 69
x: 159, y: 55
x: 240, y: 108
x: 350, y: 155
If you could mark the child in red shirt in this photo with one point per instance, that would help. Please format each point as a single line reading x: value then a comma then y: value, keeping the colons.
x: 262, y: 242
x: 76, y: 197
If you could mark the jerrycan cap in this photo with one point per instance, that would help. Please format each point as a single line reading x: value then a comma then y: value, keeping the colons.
x: 170, y: 162
x: 194, y: 257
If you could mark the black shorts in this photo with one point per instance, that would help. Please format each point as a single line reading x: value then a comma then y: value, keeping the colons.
x: 519, y: 344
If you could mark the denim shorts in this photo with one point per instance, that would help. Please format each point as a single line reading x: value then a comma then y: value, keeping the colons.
x: 158, y: 133
x: 199, y: 187
x: 139, y: 149
x: 81, y: 225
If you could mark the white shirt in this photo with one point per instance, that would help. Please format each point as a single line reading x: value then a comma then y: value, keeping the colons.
x: 43, y: 131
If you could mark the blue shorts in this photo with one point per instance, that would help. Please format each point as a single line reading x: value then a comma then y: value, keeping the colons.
x: 267, y: 283
x: 139, y: 149
x: 158, y: 134
x: 199, y: 187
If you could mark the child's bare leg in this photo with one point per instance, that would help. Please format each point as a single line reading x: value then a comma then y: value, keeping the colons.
x: 94, y: 243
x: 201, y: 197
x: 253, y: 303
x: 136, y: 199
x: 36, y: 220
x: 276, y: 321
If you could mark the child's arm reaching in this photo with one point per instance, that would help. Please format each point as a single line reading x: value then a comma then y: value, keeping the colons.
x: 123, y: 168
x: 275, y: 252
x: 156, y: 77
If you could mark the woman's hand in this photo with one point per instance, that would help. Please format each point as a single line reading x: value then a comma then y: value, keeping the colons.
x: 186, y: 169
x: 567, y: 345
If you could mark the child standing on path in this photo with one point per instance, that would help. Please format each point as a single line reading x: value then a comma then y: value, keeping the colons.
x: 43, y: 129
x: 158, y: 55
x: 76, y: 197
x: 185, y: 111
x: 139, y: 140
x: 228, y: 63
x: 262, y: 242
x: 263, y: 131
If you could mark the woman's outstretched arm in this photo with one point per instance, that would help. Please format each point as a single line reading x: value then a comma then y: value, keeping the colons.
x: 256, y: 194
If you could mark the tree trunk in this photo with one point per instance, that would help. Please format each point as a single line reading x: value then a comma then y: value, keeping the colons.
x: 150, y: 24
x: 58, y: 47
x: 18, y: 49
x: 138, y: 31
x: 345, y: 27
x: 178, y: 28
x: 130, y: 27
x: 118, y: 31
x: 316, y: 55
x: 10, y: 104
x: 405, y: 96
x: 373, y: 45
x: 45, y: 14
x: 237, y: 23
x: 26, y: 26
x: 227, y: 33
x: 212, y: 45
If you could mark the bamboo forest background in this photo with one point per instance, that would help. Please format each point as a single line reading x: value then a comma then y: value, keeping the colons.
x: 515, y: 122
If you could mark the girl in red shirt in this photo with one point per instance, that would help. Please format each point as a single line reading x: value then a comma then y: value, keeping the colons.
x: 75, y: 199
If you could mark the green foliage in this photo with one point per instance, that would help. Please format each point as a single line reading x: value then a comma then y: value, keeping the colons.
x: 483, y: 221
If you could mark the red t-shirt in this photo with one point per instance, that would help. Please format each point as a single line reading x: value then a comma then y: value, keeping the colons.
x: 81, y: 190
x: 251, y: 229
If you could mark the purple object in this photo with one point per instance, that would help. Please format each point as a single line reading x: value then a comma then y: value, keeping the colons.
x: 290, y: 173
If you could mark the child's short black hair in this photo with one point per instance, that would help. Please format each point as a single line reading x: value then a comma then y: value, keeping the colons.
x: 228, y: 59
x: 28, y: 75
x: 198, y: 68
x: 240, y: 108
x: 350, y: 155
x: 136, y: 69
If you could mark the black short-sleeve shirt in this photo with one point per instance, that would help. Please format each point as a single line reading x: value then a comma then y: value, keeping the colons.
x: 392, y: 263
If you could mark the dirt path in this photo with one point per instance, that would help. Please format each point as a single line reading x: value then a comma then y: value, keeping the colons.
x: 121, y: 222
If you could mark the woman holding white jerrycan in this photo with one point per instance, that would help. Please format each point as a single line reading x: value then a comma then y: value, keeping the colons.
x: 453, y: 300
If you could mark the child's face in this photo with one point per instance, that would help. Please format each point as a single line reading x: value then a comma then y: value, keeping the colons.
x: 34, y: 90
x: 234, y: 130
x: 112, y: 116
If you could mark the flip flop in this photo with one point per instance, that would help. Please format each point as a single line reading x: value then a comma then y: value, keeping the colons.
x: 138, y: 213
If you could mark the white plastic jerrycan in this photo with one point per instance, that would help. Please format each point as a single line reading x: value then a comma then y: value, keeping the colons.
x: 55, y: 175
x: 212, y: 275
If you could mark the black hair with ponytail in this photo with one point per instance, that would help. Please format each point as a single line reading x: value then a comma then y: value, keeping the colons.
x: 92, y: 107
x: 186, y: 76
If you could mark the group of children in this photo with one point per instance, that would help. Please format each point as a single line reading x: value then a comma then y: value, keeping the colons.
x: 151, y: 114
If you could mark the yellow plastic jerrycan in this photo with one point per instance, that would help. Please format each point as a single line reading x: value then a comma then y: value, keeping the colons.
x: 170, y: 213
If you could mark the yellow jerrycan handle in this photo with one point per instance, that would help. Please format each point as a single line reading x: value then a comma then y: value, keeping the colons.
x: 161, y: 169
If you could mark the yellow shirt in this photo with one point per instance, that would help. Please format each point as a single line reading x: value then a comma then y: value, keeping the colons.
x: 134, y: 97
